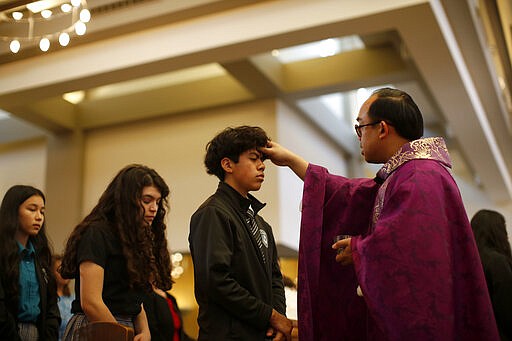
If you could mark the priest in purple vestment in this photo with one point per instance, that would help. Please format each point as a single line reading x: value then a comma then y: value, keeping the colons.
x: 411, y: 270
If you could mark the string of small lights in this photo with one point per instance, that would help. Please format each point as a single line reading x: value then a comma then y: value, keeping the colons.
x: 44, y: 23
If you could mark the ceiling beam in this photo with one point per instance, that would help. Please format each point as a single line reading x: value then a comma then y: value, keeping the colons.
x: 248, y: 74
x: 8, y: 5
x: 462, y: 100
x: 142, y: 53
x: 351, y: 67
x: 261, y: 85
x: 196, y: 95
x: 33, y: 114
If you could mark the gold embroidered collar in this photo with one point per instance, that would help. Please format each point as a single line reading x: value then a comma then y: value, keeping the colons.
x: 431, y: 148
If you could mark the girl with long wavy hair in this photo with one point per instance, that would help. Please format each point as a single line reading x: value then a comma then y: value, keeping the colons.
x: 491, y: 238
x: 28, y: 296
x: 119, y: 252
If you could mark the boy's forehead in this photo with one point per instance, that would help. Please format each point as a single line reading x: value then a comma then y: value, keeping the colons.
x: 257, y: 153
x: 252, y: 151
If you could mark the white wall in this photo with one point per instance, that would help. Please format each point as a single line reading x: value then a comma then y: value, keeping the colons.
x: 175, y: 146
x: 24, y: 164
x: 298, y: 135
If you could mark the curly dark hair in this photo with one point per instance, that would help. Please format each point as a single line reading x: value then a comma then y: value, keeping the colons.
x: 397, y: 108
x: 230, y: 143
x: 119, y: 207
x: 9, y: 250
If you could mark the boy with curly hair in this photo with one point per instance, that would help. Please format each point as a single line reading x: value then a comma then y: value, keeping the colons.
x: 238, y: 282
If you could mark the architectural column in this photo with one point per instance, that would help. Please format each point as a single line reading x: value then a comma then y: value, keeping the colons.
x: 64, y: 185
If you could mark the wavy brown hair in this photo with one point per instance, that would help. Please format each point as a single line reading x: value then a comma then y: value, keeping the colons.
x: 9, y: 250
x: 119, y: 207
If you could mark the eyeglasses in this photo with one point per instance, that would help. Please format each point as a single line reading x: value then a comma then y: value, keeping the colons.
x: 358, y: 127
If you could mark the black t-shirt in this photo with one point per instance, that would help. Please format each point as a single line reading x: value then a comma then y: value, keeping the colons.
x: 101, y: 246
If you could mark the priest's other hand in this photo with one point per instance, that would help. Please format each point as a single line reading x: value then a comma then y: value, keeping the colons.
x: 345, y: 256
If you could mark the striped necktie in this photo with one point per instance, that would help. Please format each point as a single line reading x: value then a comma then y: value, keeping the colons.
x: 255, y: 230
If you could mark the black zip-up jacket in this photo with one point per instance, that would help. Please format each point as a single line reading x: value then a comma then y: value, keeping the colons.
x: 236, y: 291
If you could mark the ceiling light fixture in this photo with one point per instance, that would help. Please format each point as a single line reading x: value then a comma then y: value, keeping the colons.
x: 42, y: 23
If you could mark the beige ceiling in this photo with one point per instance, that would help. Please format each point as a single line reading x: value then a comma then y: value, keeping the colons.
x: 146, y: 59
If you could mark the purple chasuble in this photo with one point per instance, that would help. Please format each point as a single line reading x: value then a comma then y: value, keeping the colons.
x: 415, y: 257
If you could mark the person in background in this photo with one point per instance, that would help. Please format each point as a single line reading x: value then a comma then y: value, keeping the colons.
x: 28, y: 294
x: 238, y: 281
x: 164, y: 317
x: 411, y: 269
x: 491, y: 237
x: 65, y: 297
x: 118, y: 252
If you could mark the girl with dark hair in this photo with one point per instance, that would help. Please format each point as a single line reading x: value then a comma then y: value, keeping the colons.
x: 491, y: 238
x: 28, y: 297
x: 119, y: 251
